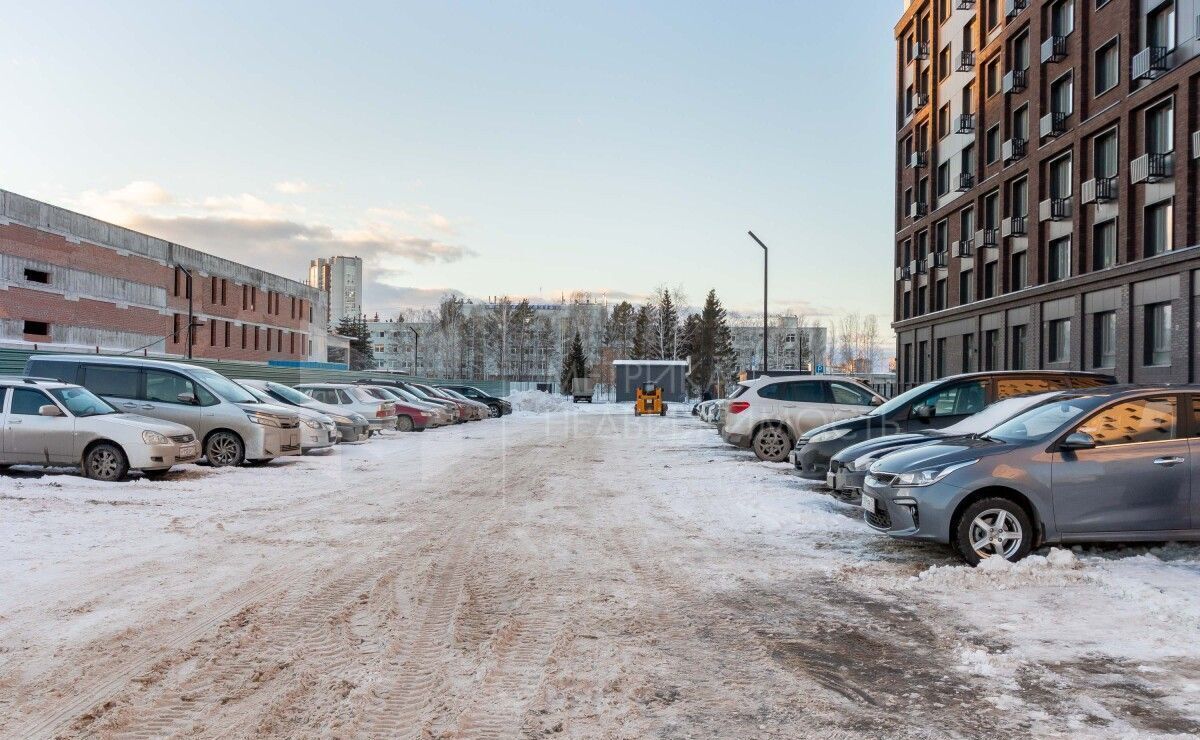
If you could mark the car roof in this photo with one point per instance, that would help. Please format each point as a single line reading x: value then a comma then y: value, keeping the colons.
x: 116, y: 360
x: 30, y: 380
x: 325, y: 385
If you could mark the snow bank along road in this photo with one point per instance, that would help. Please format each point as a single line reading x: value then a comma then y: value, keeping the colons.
x: 572, y: 574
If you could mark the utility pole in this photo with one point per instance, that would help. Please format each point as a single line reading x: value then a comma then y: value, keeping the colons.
x: 191, y: 324
x: 416, y: 347
x: 764, y: 248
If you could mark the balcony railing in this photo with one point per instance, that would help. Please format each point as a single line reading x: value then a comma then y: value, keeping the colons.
x: 1054, y: 209
x: 1054, y: 49
x: 917, y: 267
x: 917, y: 209
x: 964, y: 248
x: 1012, y: 150
x: 966, y: 181
x: 1013, y: 81
x: 1099, y: 190
x: 966, y: 123
x: 1150, y: 62
x: 1053, y: 124
x: 903, y: 273
x: 921, y: 50
x: 1013, y: 7
x: 965, y: 4
x: 940, y: 260
x: 966, y: 61
x: 917, y: 160
x: 1150, y: 168
x: 920, y: 100
x: 1012, y: 226
x: 1196, y: 141
x: 987, y: 239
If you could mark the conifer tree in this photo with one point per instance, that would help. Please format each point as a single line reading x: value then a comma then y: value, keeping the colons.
x: 574, y: 364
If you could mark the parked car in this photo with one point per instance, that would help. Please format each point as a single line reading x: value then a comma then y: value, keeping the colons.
x: 409, y: 418
x: 481, y: 410
x: 1112, y: 464
x: 451, y: 407
x: 466, y: 411
x: 380, y: 414
x: 499, y: 406
x: 49, y: 423
x: 351, y: 426
x: 233, y: 426
x: 934, y: 405
x: 769, y: 414
x: 848, y: 468
x: 317, y: 431
x: 439, y: 415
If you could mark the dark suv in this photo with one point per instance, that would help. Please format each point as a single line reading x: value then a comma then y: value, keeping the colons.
x: 933, y: 405
x: 499, y: 406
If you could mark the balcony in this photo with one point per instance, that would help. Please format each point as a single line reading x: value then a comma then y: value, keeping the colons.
x: 966, y: 123
x: 966, y: 61
x: 1150, y: 62
x: 965, y: 4
x: 1099, y: 190
x: 917, y: 209
x: 918, y: 160
x: 904, y: 273
x: 921, y: 50
x: 1054, y: 49
x: 964, y: 249
x: 1196, y: 143
x: 1151, y: 168
x: 986, y: 239
x: 1053, y: 125
x: 966, y: 181
x: 1013, y: 81
x: 1013, y: 226
x: 917, y: 267
x: 939, y: 260
x: 1054, y: 209
x: 1014, y: 7
x: 1012, y: 150
x: 920, y: 100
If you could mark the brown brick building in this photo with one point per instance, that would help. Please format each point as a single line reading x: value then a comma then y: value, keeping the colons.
x: 73, y: 282
x: 1046, y: 187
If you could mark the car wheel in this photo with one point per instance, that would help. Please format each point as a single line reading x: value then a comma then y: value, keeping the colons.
x: 105, y: 462
x: 223, y: 449
x: 494, y: 412
x: 157, y: 474
x: 993, y: 527
x: 404, y: 424
x: 772, y: 444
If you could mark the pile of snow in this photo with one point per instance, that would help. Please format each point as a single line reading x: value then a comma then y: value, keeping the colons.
x: 538, y: 402
x: 999, y: 573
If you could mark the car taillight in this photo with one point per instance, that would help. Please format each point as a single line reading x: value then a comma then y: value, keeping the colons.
x: 380, y: 413
x: 738, y: 407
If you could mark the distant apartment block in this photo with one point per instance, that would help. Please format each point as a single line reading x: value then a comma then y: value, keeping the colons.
x: 68, y: 281
x: 341, y: 280
x: 1046, y: 187
x: 790, y: 345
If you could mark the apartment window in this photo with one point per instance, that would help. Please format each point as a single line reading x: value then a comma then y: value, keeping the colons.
x: 968, y: 98
x: 1058, y: 340
x: 36, y: 328
x: 227, y: 333
x: 991, y: 77
x: 939, y: 295
x: 923, y: 190
x: 212, y: 332
x: 906, y: 252
x: 966, y: 223
x: 1017, y: 361
x: 1160, y: 26
x: 943, y: 121
x: 1158, y: 226
x: 991, y: 210
x: 943, y: 179
x: 1062, y: 18
x: 991, y: 13
x: 37, y: 276
x: 909, y: 93
x: 1107, y: 67
x: 922, y: 353
x: 1062, y: 94
x: 1060, y: 177
x: 1019, y: 266
x: 1020, y: 51
x: 245, y: 297
x: 944, y: 63
x: 967, y: 159
x: 991, y: 349
x: 907, y: 304
x: 921, y: 300
x: 178, y: 282
x: 224, y: 291
x: 1157, y: 348
x: 1104, y: 245
x: 213, y: 289
x: 1018, y: 198
x: 941, y: 236
x: 922, y: 244
x: 256, y: 339
x: 939, y: 360
x: 965, y: 285
x: 991, y: 144
x: 1160, y: 128
x: 1020, y: 123
x: 1104, y: 339
x: 1104, y: 154
x: 968, y: 352
x: 989, y: 280
x: 243, y: 336
x: 1058, y: 259
x: 907, y: 202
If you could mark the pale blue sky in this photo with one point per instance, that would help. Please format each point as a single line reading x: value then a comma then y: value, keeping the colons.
x: 485, y: 147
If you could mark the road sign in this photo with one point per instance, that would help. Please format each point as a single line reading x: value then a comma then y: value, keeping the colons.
x: 820, y: 369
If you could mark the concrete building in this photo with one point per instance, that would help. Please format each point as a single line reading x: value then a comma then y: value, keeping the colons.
x: 341, y: 280
x: 1046, y: 181
x: 77, y: 283
x: 790, y: 345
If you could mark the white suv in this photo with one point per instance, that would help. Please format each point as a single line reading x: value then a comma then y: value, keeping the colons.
x: 769, y: 414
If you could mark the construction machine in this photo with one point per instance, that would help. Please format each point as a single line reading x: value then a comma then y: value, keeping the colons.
x: 649, y: 400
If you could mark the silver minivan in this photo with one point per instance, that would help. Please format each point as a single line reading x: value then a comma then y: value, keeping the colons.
x: 232, y: 425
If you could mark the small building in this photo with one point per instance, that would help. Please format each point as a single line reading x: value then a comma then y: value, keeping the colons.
x: 670, y: 375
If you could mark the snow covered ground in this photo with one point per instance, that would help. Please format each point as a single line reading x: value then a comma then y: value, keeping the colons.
x: 570, y: 570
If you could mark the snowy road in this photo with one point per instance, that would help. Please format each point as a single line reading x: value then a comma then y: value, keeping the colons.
x: 575, y: 574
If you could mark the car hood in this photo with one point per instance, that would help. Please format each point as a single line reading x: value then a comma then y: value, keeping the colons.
x: 139, y: 422
x: 288, y: 413
x: 946, y: 452
x: 857, y: 450
x: 854, y: 424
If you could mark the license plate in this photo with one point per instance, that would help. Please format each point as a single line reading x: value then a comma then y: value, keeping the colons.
x: 868, y: 503
x: 190, y: 450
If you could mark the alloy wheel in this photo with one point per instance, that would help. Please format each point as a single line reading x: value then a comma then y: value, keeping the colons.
x: 771, y: 444
x: 223, y: 450
x: 995, y: 532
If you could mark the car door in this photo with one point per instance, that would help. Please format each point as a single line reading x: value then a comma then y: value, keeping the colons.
x: 948, y: 404
x: 849, y: 399
x: 804, y: 404
x: 33, y: 438
x: 4, y: 426
x: 1137, y: 479
x: 161, y: 398
x: 120, y: 385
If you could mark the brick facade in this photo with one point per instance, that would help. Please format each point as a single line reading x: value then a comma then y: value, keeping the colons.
x: 1026, y: 284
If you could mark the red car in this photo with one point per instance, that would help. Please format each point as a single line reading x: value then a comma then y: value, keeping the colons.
x: 408, y: 418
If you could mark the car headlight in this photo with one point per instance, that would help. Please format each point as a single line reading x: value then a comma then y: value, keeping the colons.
x: 266, y: 421
x: 929, y: 476
x: 828, y: 435
x: 154, y: 438
x: 343, y: 420
x: 311, y: 423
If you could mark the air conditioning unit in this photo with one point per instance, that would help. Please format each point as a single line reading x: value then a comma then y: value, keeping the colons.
x: 1150, y: 168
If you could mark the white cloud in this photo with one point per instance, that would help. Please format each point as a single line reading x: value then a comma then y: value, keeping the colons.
x: 294, y: 187
x: 121, y: 203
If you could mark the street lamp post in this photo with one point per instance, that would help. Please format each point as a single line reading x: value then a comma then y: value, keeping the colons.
x: 191, y: 325
x: 764, y: 248
x: 416, y: 347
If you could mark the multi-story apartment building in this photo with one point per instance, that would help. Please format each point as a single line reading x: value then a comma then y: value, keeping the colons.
x: 341, y: 280
x: 1046, y: 187
x: 68, y: 281
x: 791, y: 345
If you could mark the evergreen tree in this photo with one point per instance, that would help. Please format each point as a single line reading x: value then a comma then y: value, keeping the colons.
x: 574, y: 364
x: 668, y: 327
x: 362, y: 353
x: 711, y: 347
x: 620, y: 329
x: 642, y: 338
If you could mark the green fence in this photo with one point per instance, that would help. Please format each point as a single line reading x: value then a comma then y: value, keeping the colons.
x: 12, y: 362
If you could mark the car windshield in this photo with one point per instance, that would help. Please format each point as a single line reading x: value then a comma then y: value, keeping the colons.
x: 291, y: 395
x: 82, y: 402
x: 996, y: 413
x: 903, y: 399
x: 223, y: 387
x: 259, y: 396
x: 406, y: 395
x: 1041, y: 422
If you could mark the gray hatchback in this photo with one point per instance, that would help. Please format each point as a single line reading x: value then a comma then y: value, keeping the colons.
x: 1112, y: 464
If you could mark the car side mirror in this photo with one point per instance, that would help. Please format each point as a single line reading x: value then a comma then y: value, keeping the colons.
x: 49, y: 410
x: 1078, y: 441
x: 188, y: 398
x: 876, y: 401
x: 924, y: 413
